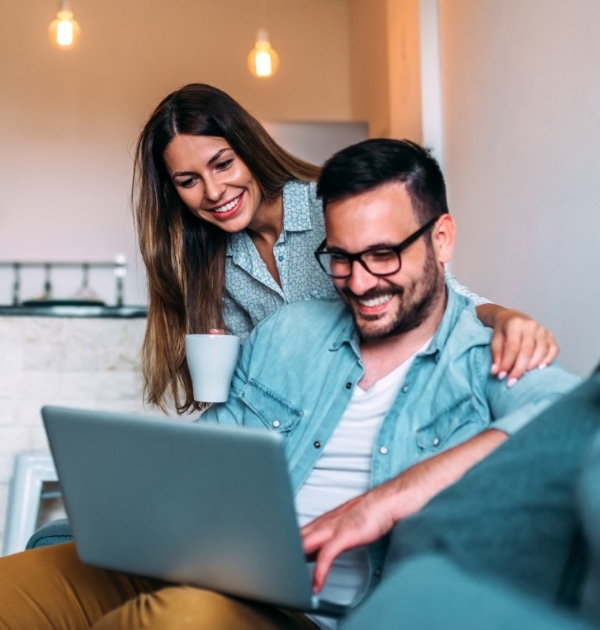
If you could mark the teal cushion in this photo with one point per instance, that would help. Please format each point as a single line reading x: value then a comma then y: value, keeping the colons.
x: 429, y: 593
x: 515, y: 515
x: 50, y: 534
x: 589, y: 501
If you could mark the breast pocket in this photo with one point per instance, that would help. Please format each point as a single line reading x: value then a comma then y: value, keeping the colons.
x: 270, y: 408
x: 451, y: 426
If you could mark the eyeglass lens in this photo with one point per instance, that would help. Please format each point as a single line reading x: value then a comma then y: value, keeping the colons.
x: 381, y: 262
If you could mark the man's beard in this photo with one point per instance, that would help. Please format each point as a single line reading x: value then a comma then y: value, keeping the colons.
x: 415, y: 303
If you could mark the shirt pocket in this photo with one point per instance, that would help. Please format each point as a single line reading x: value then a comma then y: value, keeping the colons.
x: 272, y: 409
x: 451, y: 426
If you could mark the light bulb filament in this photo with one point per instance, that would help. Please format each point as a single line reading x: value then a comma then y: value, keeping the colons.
x: 264, y: 67
x: 263, y: 61
x: 64, y: 33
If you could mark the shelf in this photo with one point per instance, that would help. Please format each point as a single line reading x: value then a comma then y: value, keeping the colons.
x: 129, y: 312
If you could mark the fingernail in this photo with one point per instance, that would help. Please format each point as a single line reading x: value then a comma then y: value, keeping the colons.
x: 494, y: 368
x: 543, y: 366
x: 511, y: 382
x: 502, y: 375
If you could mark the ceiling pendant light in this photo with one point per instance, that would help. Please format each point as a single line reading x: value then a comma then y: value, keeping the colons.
x: 64, y: 31
x: 263, y: 61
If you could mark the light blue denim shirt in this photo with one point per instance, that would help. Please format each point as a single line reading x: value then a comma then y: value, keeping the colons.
x: 297, y: 371
x: 251, y: 292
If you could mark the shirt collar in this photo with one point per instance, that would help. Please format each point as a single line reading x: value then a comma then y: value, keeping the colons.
x: 296, y: 204
x: 456, y: 304
x: 296, y: 215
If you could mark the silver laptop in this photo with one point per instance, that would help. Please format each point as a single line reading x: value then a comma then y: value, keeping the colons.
x: 184, y: 502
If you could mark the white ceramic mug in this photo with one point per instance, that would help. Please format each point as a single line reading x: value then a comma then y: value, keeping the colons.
x: 211, y: 360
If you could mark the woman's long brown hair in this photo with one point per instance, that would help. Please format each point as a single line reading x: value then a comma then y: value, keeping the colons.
x: 185, y: 256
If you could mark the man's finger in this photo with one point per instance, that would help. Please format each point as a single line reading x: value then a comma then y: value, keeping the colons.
x: 325, y: 560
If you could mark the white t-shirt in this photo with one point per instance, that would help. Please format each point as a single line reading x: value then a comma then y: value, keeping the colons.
x: 343, y: 472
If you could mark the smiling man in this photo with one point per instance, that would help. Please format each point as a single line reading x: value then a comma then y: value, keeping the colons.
x: 385, y: 398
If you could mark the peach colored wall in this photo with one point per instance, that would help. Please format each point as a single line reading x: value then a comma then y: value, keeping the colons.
x: 404, y: 69
x: 385, y: 79
x: 69, y: 119
x: 369, y: 62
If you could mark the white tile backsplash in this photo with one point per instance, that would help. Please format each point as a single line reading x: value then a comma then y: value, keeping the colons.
x: 79, y: 362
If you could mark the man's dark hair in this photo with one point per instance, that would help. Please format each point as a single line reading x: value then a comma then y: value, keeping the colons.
x: 372, y: 163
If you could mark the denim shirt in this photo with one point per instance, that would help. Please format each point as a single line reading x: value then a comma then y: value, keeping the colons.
x: 297, y: 371
x: 251, y: 292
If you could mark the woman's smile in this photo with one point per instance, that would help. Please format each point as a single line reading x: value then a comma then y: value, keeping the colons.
x: 227, y: 207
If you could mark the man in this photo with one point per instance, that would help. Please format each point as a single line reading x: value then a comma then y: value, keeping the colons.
x: 386, y: 397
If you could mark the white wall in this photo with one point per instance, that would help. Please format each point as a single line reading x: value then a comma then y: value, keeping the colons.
x: 521, y: 99
x: 69, y: 119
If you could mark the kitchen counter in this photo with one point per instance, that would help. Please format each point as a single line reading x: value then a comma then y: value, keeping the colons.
x: 89, y: 359
x: 118, y: 312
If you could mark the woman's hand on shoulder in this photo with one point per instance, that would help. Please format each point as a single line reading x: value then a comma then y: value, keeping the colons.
x: 519, y: 343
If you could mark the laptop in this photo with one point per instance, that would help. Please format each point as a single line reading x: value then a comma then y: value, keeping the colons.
x: 184, y: 502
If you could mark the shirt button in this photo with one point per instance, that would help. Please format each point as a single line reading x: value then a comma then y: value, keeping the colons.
x: 348, y: 385
x: 276, y: 423
x: 383, y: 450
x: 436, y: 441
x: 405, y: 389
x: 317, y: 444
x: 281, y: 258
x: 377, y: 572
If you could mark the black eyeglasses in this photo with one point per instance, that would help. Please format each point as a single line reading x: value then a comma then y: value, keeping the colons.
x: 378, y: 261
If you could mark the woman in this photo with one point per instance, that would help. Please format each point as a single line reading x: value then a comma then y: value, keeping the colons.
x: 227, y: 223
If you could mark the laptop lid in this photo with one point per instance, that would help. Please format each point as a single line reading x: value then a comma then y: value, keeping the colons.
x: 184, y: 502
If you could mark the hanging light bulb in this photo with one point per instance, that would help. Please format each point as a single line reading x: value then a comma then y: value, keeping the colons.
x: 263, y: 61
x: 64, y: 31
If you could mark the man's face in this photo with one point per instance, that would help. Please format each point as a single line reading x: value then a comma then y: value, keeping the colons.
x: 395, y: 304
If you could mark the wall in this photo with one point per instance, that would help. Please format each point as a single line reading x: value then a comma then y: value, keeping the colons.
x: 522, y: 137
x: 370, y: 92
x: 404, y: 70
x: 385, y: 69
x: 88, y: 363
x: 69, y: 119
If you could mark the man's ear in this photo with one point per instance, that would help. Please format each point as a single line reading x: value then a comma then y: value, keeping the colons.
x: 443, y: 238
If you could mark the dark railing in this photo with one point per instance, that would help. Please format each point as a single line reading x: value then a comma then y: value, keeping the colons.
x: 119, y: 267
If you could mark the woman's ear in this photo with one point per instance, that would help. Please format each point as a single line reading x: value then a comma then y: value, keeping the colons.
x: 443, y: 238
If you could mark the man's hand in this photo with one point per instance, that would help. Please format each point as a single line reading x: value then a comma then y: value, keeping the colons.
x: 519, y: 343
x: 372, y: 515
x: 358, y: 522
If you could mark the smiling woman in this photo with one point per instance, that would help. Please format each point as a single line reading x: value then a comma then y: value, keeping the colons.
x: 211, y: 191
x: 228, y: 223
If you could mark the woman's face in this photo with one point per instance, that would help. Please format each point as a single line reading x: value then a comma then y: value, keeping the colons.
x: 212, y: 181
